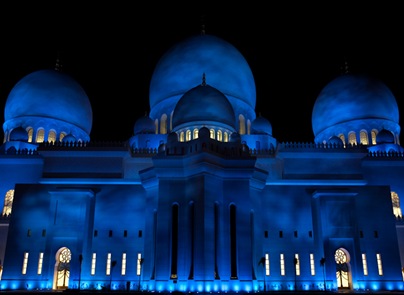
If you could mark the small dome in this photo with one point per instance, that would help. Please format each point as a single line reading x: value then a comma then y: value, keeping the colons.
x: 235, y: 137
x: 179, y: 70
x: 19, y: 134
x: 261, y: 126
x: 203, y: 104
x: 335, y: 140
x: 49, y: 99
x: 172, y: 137
x: 69, y: 138
x: 384, y: 136
x: 353, y: 102
x: 144, y: 125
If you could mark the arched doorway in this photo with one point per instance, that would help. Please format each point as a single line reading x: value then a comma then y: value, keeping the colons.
x: 62, y: 269
x: 343, y: 271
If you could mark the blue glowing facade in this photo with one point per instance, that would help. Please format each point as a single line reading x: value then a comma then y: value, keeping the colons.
x: 202, y: 197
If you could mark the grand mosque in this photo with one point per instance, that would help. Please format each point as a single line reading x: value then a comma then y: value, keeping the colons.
x: 201, y: 197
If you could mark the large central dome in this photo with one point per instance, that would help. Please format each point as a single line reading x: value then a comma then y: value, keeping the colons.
x: 181, y: 68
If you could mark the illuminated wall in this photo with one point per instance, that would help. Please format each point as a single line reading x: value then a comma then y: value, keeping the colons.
x: 201, y: 199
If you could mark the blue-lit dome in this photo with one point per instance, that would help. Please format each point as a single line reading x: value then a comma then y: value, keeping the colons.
x: 384, y: 136
x: 203, y: 105
x: 144, y: 125
x: 49, y: 99
x: 19, y: 134
x: 235, y: 137
x: 335, y: 140
x: 181, y: 67
x: 354, y: 103
x: 69, y: 138
x: 261, y: 125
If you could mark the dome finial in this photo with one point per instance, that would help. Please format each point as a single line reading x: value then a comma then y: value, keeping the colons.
x: 203, y: 80
x: 58, y: 65
x: 345, y: 68
x: 203, y: 25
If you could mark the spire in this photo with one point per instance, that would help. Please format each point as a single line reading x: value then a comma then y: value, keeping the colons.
x: 58, y: 65
x: 203, y: 32
x: 345, y: 68
x: 203, y: 80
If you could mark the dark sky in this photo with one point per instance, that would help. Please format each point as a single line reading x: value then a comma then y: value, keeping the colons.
x: 293, y: 48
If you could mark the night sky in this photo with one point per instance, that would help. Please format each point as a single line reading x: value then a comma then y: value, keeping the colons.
x: 294, y: 50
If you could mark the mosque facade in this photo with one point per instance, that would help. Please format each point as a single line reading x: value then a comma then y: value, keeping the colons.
x: 202, y: 197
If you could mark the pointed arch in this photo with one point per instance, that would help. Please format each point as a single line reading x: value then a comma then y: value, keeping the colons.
x: 373, y: 135
x: 342, y: 137
x: 395, y: 199
x: 163, y: 124
x: 174, y: 241
x: 352, y: 138
x: 241, y: 121
x: 8, y: 202
x: 196, y: 133
x: 30, y: 134
x: 62, y: 269
x: 363, y: 137
x: 40, y: 135
x: 52, y: 136
x: 212, y: 133
x: 343, y: 268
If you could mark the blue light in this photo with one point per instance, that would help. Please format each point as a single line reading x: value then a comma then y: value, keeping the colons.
x: 375, y: 286
x: 200, y: 287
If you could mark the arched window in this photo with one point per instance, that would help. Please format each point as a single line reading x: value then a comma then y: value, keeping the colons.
x: 396, y: 205
x: 364, y: 137
x: 196, y: 133
x: 30, y: 133
x: 219, y: 135
x: 212, y: 133
x: 182, y: 136
x: 52, y: 136
x: 40, y: 135
x: 342, y: 137
x: 216, y: 238
x: 233, y: 242
x: 374, y: 134
x: 226, y: 137
x: 188, y: 137
x: 163, y: 124
x: 191, y: 230
x: 171, y: 120
x: 352, y: 138
x: 62, y: 135
x: 342, y: 260
x: 156, y: 125
x: 64, y: 257
x: 8, y: 202
x: 174, y: 241
x: 241, y: 121
x: 248, y: 127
